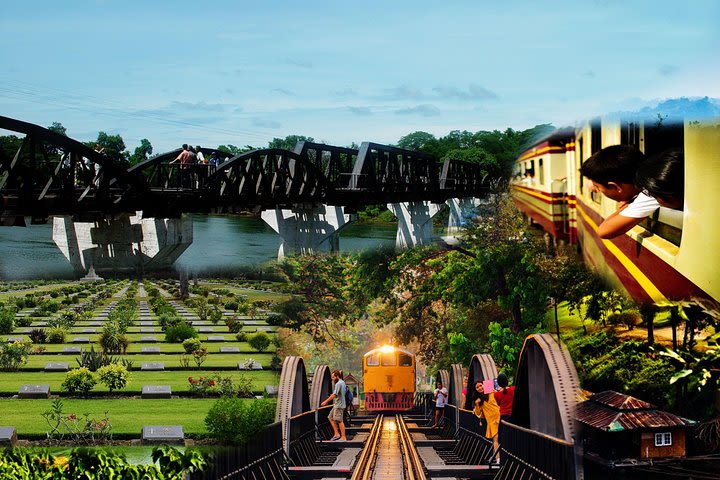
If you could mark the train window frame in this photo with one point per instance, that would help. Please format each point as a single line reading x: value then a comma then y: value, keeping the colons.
x: 541, y: 172
x: 666, y: 223
x: 402, y: 357
x: 390, y: 356
x: 376, y: 357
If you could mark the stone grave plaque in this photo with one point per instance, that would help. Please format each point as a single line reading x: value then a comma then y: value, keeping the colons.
x: 156, y: 391
x: 216, y: 338
x: 149, y: 338
x: 229, y: 349
x: 255, y: 365
x: 205, y: 329
x: 271, y: 390
x: 39, y: 324
x: 89, y: 330
x: 250, y: 365
x: 153, y: 366
x: 81, y: 340
x: 95, y: 324
x: 34, y: 391
x: 150, y: 350
x: 146, y: 324
x: 265, y: 329
x: 72, y: 349
x: 163, y: 434
x: 15, y: 339
x: 147, y: 330
x: 56, y: 367
x: 8, y: 435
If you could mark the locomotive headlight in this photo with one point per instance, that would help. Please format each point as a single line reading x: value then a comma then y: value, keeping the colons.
x: 387, y: 349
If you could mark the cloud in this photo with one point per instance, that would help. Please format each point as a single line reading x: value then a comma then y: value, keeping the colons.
x: 403, y: 92
x: 230, y: 91
x: 344, y: 92
x: 474, y: 92
x: 589, y: 74
x: 363, y: 111
x: 202, y: 106
x: 264, y: 123
x: 284, y: 92
x: 299, y: 63
x: 667, y: 70
x: 426, y: 110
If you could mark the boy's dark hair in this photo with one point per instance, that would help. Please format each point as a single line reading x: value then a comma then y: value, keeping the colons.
x: 502, y: 380
x: 617, y: 163
x: 338, y: 373
x: 663, y: 175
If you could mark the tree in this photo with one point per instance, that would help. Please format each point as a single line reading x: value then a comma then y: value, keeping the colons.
x: 419, y: 141
x: 58, y: 128
x: 111, y: 146
x: 142, y: 152
x: 232, y: 150
x: 288, y: 143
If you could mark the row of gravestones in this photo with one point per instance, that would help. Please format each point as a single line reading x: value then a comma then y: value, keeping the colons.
x: 148, y: 391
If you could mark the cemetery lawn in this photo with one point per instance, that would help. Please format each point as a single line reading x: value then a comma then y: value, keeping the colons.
x: 178, y: 380
x: 214, y: 360
x: 127, y: 416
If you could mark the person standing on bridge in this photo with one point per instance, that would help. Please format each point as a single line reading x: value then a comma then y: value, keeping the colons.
x: 440, y: 395
x: 184, y: 159
x: 486, y: 407
x: 338, y: 410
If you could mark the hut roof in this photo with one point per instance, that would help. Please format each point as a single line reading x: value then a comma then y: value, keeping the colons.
x: 615, y: 412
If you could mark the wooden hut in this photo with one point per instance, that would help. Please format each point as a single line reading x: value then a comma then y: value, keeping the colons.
x: 354, y: 385
x: 620, y: 428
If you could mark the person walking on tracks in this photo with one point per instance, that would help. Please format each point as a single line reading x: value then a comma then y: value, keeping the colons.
x: 440, y: 396
x: 336, y: 414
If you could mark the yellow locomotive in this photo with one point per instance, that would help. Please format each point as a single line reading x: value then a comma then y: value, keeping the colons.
x: 388, y: 379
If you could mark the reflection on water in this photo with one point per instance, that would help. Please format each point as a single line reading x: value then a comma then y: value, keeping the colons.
x: 220, y: 243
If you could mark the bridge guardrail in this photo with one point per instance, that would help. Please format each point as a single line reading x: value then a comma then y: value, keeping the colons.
x: 526, y: 449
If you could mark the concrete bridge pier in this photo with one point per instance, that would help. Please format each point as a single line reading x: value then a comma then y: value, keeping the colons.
x: 308, y: 229
x: 462, y: 211
x: 414, y: 222
x: 122, y: 243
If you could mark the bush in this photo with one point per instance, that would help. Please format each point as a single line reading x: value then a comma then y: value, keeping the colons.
x: 37, y: 335
x: 93, y: 360
x: 232, y: 305
x: 112, y: 339
x: 192, y: 344
x: 241, y: 336
x: 7, y: 320
x: 232, y: 420
x: 215, y: 315
x: 114, y: 376
x: 259, y: 341
x: 79, y: 380
x: 180, y: 333
x: 14, y: 355
x: 56, y: 335
x: 23, y: 322
x: 166, y: 320
x: 233, y: 324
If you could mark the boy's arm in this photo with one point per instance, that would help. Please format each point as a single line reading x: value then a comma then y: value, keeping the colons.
x: 616, y: 224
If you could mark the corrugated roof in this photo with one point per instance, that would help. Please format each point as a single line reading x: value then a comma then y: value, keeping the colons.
x: 620, y: 401
x: 616, y: 412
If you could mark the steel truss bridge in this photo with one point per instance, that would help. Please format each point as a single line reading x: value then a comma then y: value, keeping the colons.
x: 51, y: 174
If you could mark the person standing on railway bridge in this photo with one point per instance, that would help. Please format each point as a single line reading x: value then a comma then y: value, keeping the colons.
x: 202, y: 165
x: 440, y: 396
x: 612, y: 172
x: 504, y: 397
x: 184, y: 159
x: 214, y: 162
x: 486, y: 407
x: 338, y: 410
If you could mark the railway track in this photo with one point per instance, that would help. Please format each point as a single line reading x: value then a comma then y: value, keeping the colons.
x: 389, y: 453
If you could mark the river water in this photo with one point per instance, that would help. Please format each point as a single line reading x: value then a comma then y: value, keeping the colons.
x: 220, y: 243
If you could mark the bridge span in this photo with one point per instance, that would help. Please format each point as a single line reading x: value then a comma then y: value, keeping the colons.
x: 119, y: 218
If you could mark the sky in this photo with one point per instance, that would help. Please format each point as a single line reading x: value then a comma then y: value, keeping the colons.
x: 242, y: 72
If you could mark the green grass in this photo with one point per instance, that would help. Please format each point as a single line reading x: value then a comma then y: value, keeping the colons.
x: 10, y: 382
x: 213, y: 360
x: 127, y: 416
x: 136, y: 347
x: 252, y: 295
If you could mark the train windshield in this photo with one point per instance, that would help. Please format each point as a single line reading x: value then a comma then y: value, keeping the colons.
x: 373, y: 360
x: 405, y: 360
x: 389, y: 359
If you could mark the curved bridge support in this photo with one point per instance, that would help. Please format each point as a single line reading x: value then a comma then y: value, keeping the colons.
x: 462, y: 211
x: 308, y: 230
x: 321, y: 387
x: 122, y: 243
x: 293, y: 398
x: 455, y: 386
x: 414, y: 222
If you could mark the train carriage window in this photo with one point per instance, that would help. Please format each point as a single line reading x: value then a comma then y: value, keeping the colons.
x: 595, y: 137
x: 665, y: 223
x: 405, y: 360
x: 389, y: 359
x: 630, y: 134
x: 541, y: 172
x: 580, y: 159
x: 373, y: 360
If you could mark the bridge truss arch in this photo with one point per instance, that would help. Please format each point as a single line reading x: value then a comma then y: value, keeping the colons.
x: 482, y: 367
x: 293, y: 396
x: 321, y: 386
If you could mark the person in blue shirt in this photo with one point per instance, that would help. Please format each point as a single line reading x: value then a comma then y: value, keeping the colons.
x: 336, y: 414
